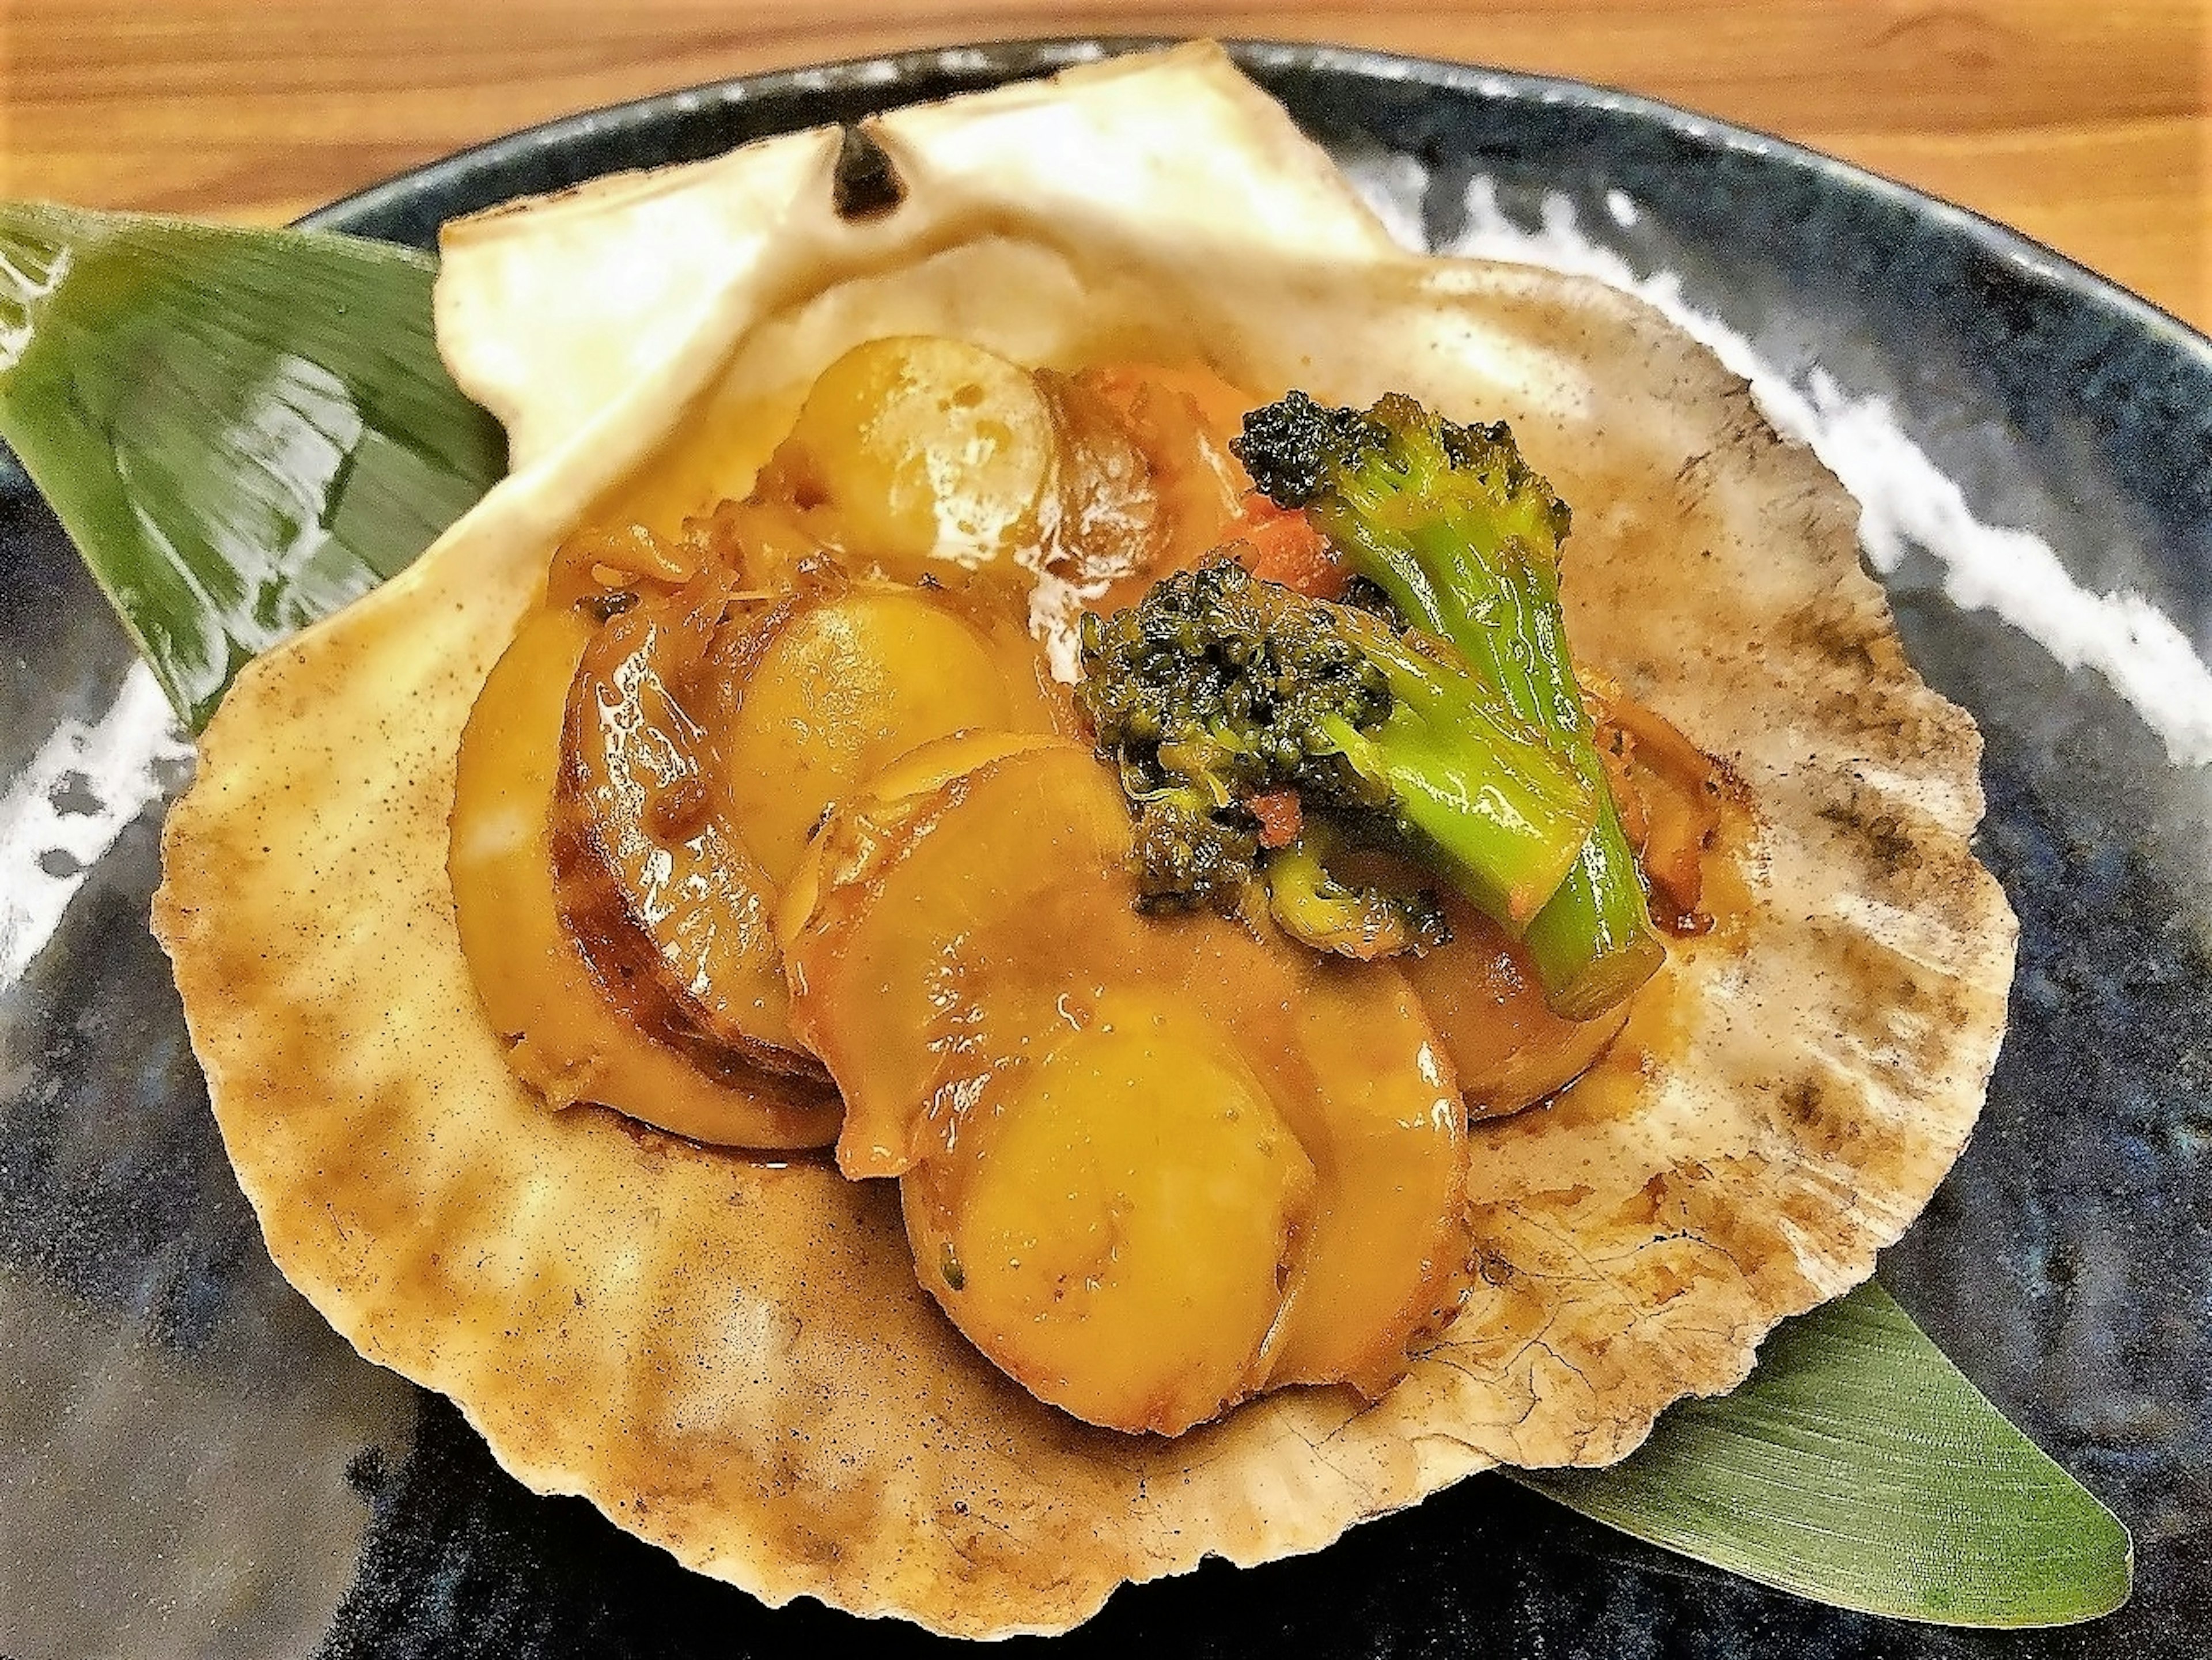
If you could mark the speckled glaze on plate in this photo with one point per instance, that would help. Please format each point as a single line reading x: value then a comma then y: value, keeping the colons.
x: 191, y: 1463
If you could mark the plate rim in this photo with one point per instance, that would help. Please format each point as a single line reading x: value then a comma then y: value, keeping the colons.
x: 1001, y: 60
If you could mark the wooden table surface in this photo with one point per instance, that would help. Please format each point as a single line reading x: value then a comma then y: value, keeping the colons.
x: 2088, y: 126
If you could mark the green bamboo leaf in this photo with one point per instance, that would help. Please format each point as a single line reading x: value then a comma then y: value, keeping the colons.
x: 1859, y: 1467
x: 244, y: 429
x: 240, y: 429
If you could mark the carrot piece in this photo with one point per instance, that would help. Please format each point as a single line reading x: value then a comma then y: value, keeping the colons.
x: 1284, y: 547
x: 1280, y: 814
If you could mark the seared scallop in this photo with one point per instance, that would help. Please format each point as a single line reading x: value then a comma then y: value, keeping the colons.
x: 1109, y: 1125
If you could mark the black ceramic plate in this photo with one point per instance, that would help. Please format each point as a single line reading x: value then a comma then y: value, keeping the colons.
x: 191, y: 1463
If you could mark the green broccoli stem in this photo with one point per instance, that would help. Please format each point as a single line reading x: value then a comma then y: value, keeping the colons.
x: 1501, y: 810
x: 1489, y: 585
x: 1594, y: 943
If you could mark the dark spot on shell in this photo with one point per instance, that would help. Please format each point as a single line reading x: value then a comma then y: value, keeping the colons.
x: 1802, y: 1100
x: 1891, y: 847
x: 1887, y: 843
x: 1835, y: 631
x: 867, y: 182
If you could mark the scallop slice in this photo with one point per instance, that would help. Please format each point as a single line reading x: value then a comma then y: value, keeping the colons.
x: 705, y: 743
x: 838, y: 688
x: 1385, y: 1257
x: 1054, y: 1077
x: 912, y: 946
x: 1114, y: 1222
x: 928, y: 455
x: 1510, y: 1049
x: 661, y: 891
x: 571, y: 1041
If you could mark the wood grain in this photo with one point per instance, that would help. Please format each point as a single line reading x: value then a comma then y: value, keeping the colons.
x: 2087, y: 126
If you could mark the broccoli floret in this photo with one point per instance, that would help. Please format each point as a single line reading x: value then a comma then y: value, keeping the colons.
x: 1217, y: 687
x: 1311, y: 900
x: 1187, y: 852
x: 1463, y: 537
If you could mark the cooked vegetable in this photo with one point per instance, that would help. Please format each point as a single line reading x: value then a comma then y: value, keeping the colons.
x: 1312, y: 901
x: 1186, y: 851
x: 1283, y: 546
x: 1217, y: 687
x: 1464, y: 538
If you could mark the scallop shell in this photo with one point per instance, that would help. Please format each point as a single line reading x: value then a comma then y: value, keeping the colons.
x: 732, y: 1357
